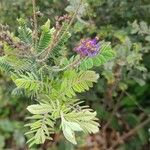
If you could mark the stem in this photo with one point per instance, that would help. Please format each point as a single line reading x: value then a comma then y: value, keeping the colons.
x: 131, y: 132
x: 48, y: 50
x: 73, y: 17
x: 73, y: 64
x: 34, y: 22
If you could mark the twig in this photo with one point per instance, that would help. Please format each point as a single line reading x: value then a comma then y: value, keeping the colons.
x: 52, y: 45
x: 73, y: 17
x: 131, y: 132
x: 73, y: 64
x: 34, y: 22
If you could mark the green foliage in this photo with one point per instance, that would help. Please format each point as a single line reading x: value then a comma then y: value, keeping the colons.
x: 45, y: 38
x: 25, y: 33
x: 42, y: 125
x: 45, y: 71
x: 4, y: 65
x: 82, y: 118
x: 106, y: 54
x: 64, y: 37
x: 46, y: 114
x: 75, y: 7
x: 69, y: 128
x: 29, y: 82
x: 77, y: 82
x: 54, y: 89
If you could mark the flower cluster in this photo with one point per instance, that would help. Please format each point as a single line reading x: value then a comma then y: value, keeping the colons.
x: 88, y: 47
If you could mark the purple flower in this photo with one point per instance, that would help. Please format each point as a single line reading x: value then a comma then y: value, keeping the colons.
x: 88, y: 47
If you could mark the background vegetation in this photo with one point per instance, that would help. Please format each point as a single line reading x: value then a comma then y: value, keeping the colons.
x: 121, y: 96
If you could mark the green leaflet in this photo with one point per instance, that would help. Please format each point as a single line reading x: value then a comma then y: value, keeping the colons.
x: 86, y: 119
x: 46, y: 36
x: 42, y: 125
x: 17, y: 92
x: 40, y: 136
x: 39, y: 109
x: 29, y: 82
x: 19, y: 65
x: 69, y: 128
x: 106, y: 54
x: 25, y: 34
x: 64, y: 37
x: 77, y: 82
x: 5, y: 65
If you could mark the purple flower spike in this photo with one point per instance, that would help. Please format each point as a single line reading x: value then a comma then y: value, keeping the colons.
x: 88, y: 47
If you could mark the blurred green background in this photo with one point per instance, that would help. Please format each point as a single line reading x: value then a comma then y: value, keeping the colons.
x: 123, y: 90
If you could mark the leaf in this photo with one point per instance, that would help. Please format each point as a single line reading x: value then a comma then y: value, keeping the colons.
x: 46, y: 37
x: 69, y: 128
x: 77, y: 82
x: 39, y: 109
x: 5, y: 65
x: 42, y: 125
x: 140, y: 81
x: 85, y: 119
x: 69, y: 134
x: 129, y: 101
x: 143, y: 27
x: 6, y: 125
x: 64, y: 37
x: 25, y: 34
x: 40, y: 136
x: 142, y: 135
x: 74, y: 126
x: 19, y: 65
x: 135, y: 27
x: 29, y: 82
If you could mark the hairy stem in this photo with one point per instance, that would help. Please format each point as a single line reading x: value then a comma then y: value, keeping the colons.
x: 35, y: 35
x: 73, y: 64
x: 54, y: 43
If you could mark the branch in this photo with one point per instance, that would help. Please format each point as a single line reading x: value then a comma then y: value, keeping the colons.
x: 35, y: 35
x: 131, y: 132
x: 54, y: 43
x: 73, y: 64
x: 73, y: 18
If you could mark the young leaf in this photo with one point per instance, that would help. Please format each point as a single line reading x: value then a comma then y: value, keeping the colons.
x: 85, y: 119
x: 39, y: 109
x: 25, y: 33
x: 77, y: 82
x: 69, y: 128
x: 46, y: 37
